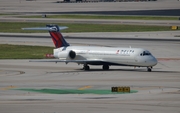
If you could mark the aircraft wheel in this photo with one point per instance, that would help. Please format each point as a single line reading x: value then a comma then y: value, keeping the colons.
x: 105, y: 67
x: 86, y: 68
x: 149, y: 69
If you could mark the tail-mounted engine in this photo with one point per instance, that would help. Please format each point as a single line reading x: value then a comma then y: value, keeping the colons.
x: 67, y: 54
x: 72, y: 54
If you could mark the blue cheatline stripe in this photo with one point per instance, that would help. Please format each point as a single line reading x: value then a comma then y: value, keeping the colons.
x: 64, y: 43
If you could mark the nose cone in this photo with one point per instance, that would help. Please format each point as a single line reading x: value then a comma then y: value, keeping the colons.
x: 147, y: 61
x: 152, y: 61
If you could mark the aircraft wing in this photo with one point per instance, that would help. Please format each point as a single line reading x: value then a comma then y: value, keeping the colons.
x: 67, y: 61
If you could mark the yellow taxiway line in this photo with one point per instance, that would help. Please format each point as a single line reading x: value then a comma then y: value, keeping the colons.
x: 8, y: 87
x: 85, y: 87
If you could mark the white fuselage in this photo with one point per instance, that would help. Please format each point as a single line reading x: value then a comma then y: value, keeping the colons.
x: 91, y: 55
x: 110, y: 55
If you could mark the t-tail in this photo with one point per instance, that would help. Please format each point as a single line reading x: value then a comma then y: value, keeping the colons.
x: 55, y: 33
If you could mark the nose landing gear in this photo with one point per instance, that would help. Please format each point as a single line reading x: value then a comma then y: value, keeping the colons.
x: 149, y: 69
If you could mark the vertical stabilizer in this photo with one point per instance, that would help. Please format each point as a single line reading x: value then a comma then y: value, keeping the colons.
x: 57, y: 37
x: 55, y: 33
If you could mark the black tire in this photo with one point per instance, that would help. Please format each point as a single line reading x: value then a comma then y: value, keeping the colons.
x: 105, y: 67
x: 149, y: 69
x: 86, y: 68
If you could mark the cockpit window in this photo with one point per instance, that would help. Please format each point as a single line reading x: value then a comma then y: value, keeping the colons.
x: 145, y: 53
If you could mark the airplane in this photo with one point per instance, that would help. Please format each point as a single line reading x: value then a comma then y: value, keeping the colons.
x: 95, y: 55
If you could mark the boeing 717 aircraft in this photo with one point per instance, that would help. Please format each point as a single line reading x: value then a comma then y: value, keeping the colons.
x: 94, y: 55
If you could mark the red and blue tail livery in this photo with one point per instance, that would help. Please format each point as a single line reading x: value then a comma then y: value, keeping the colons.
x: 57, y: 37
x: 55, y: 33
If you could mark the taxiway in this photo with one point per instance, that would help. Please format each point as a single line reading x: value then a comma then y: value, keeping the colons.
x: 158, y: 91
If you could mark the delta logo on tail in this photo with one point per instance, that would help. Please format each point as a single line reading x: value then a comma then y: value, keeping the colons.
x: 57, y: 37
x: 95, y: 55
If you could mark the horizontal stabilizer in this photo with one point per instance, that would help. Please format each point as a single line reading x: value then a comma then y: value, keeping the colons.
x: 55, y: 34
x: 46, y: 28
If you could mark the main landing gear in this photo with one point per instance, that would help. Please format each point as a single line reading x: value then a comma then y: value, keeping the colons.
x: 86, y: 67
x: 104, y: 67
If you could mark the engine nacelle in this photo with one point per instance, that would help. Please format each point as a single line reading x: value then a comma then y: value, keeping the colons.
x: 67, y: 54
x: 72, y: 54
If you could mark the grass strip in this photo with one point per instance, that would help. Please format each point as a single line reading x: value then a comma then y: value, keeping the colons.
x: 104, y: 17
x: 75, y: 91
x: 23, y: 52
x: 15, y: 27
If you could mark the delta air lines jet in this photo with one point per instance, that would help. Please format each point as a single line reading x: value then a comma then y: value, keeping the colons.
x: 94, y: 55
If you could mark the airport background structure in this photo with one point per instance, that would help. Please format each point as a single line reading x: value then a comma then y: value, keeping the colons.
x: 71, y: 1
